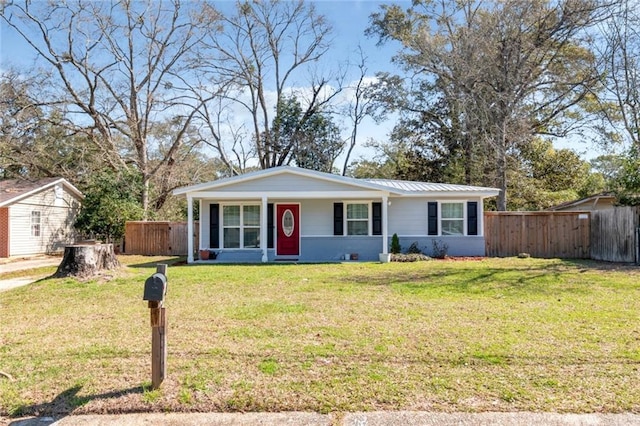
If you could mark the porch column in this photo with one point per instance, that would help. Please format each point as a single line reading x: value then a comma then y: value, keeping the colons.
x: 481, y: 217
x: 263, y: 229
x: 200, y: 225
x: 385, y: 224
x: 189, y: 229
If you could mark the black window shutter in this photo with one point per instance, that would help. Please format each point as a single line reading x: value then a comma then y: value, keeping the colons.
x: 376, y: 226
x: 338, y: 216
x: 472, y: 218
x: 432, y: 222
x: 270, y: 225
x: 214, y: 226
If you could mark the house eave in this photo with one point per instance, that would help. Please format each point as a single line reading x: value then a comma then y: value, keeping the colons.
x: 298, y: 195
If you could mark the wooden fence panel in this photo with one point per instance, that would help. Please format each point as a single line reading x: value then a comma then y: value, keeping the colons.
x: 178, y: 238
x: 540, y: 234
x: 614, y: 234
x: 147, y: 238
x: 158, y: 238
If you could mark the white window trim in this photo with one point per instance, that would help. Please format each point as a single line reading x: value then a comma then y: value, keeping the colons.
x: 345, y: 221
x: 38, y: 224
x: 241, y: 225
x: 464, y: 218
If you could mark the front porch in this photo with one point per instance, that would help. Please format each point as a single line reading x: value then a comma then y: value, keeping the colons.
x: 312, y: 249
x: 260, y: 237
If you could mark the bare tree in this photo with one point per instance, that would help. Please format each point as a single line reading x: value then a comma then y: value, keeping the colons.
x: 619, y: 55
x: 268, y: 50
x: 32, y: 143
x: 360, y: 106
x: 115, y: 67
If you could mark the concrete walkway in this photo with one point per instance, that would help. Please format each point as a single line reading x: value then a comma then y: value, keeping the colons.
x: 397, y: 418
x: 25, y: 264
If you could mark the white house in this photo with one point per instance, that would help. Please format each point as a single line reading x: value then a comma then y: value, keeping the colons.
x: 37, y: 216
x: 289, y: 213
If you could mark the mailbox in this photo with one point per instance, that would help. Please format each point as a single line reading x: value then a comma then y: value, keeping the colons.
x: 155, y: 287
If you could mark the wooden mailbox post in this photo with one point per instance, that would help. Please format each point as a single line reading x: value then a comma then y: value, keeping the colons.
x: 155, y: 289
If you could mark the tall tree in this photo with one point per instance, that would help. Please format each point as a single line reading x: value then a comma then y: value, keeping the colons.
x: 19, y: 123
x: 619, y: 100
x: 619, y: 62
x: 314, y: 138
x: 267, y: 48
x: 359, y: 107
x: 426, y: 134
x: 33, y: 143
x: 114, y: 68
x: 507, y: 70
x: 542, y: 176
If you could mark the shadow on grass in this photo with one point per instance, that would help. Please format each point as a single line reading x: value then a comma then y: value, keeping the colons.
x: 599, y: 265
x: 171, y: 261
x: 65, y: 402
x: 526, y: 279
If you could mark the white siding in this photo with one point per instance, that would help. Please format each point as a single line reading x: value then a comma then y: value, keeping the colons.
x: 287, y: 182
x: 408, y: 216
x: 316, y: 217
x: 56, y: 223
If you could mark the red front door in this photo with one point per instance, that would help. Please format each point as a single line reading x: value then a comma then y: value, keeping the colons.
x: 288, y: 220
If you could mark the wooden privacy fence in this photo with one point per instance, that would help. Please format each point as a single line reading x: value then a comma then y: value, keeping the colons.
x: 158, y: 238
x: 540, y: 234
x: 615, y: 234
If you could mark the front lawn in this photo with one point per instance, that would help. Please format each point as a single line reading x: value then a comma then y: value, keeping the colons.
x: 476, y: 335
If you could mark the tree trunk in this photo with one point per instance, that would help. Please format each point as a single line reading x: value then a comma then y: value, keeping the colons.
x: 84, y: 261
x: 501, y: 166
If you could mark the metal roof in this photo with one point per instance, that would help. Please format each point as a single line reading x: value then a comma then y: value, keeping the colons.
x: 411, y: 186
x: 397, y: 187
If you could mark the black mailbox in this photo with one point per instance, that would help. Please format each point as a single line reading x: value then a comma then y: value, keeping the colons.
x: 155, y: 287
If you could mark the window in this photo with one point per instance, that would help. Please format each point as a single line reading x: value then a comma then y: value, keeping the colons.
x: 357, y: 219
x: 251, y: 221
x: 452, y: 218
x: 35, y: 223
x: 241, y: 230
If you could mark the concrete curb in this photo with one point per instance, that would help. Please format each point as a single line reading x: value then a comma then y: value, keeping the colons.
x: 386, y: 418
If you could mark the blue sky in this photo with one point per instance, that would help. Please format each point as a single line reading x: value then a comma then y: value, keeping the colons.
x: 349, y: 19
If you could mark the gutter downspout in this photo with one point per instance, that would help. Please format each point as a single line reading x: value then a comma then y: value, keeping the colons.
x: 385, y: 224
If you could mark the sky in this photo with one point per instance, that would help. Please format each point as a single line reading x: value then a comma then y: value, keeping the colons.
x: 349, y: 19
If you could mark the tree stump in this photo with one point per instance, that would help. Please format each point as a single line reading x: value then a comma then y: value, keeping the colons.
x: 86, y: 260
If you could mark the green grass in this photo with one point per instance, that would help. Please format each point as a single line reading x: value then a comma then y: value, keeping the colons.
x: 490, y: 335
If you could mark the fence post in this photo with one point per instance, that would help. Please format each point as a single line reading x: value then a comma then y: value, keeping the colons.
x: 638, y: 246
